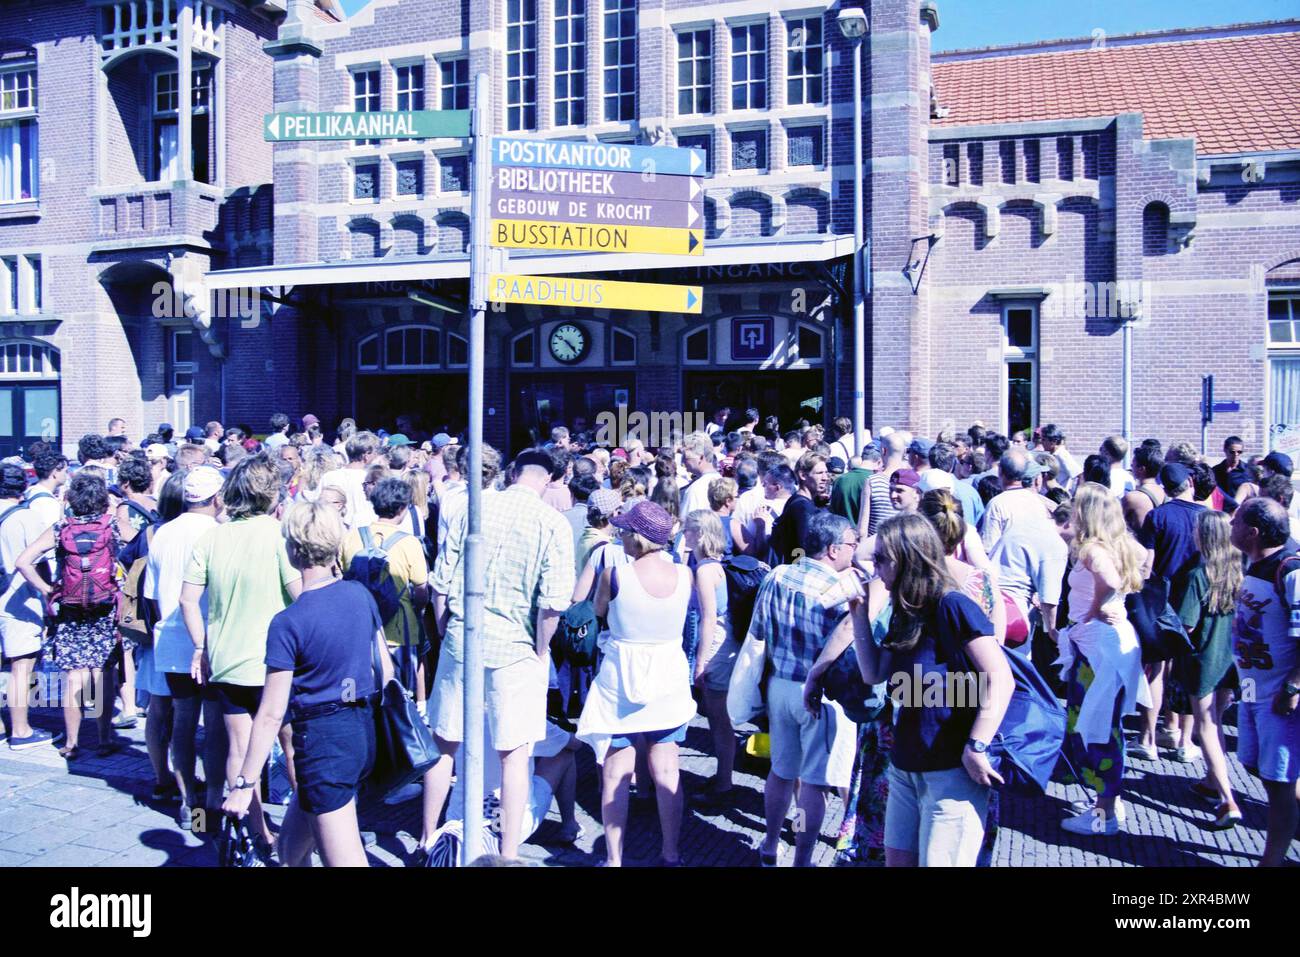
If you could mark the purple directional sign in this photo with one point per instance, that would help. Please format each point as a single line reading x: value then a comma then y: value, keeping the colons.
x: 596, y: 184
x: 615, y: 211
x: 751, y: 338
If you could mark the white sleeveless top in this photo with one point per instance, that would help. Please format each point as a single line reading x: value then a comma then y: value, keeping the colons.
x: 1082, y: 592
x: 644, y: 681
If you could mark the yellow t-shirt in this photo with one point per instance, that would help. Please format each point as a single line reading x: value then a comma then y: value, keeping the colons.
x: 406, y: 566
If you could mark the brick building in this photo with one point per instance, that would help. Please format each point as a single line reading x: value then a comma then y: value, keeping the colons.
x: 1025, y: 206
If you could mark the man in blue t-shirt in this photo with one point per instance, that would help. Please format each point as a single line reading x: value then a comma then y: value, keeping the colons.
x: 1169, y: 530
x: 1266, y: 645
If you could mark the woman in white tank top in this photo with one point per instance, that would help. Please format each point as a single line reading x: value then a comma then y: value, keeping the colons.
x: 642, y: 693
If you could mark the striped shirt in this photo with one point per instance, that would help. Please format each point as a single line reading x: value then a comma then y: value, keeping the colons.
x: 528, y: 566
x: 882, y: 507
x: 788, y: 617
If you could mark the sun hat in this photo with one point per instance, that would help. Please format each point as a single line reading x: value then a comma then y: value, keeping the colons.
x: 202, y: 483
x: 648, y: 520
x: 606, y: 500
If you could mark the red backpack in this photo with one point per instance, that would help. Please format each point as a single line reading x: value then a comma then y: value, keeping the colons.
x: 87, y: 563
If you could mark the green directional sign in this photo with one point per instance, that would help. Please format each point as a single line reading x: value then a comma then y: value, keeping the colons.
x: 380, y: 125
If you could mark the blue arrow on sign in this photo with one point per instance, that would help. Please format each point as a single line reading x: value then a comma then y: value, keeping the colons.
x: 692, y: 242
x: 690, y: 299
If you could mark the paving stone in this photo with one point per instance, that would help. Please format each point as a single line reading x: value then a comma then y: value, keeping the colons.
x: 70, y: 855
x: 42, y: 840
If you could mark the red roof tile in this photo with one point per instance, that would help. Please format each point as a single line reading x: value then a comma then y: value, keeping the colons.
x: 1233, y: 94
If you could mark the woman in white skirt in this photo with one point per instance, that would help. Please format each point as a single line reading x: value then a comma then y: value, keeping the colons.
x: 642, y: 694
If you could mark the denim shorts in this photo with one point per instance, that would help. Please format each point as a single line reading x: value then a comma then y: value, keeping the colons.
x: 936, y: 815
x: 670, y: 736
x: 333, y: 753
x: 1267, y: 743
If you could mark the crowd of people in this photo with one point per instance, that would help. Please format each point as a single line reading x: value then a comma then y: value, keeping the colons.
x: 265, y: 589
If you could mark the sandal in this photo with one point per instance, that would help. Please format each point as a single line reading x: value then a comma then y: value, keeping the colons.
x: 1225, y: 819
x: 1204, y: 791
x: 70, y: 753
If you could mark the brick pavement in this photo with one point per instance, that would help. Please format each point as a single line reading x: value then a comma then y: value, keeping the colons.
x: 97, y: 812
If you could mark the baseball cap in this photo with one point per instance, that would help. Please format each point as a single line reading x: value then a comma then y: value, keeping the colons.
x: 309, y: 419
x: 920, y: 446
x: 202, y: 483
x: 398, y: 440
x: 533, y: 457
x: 1174, y: 474
x: 156, y: 452
x: 933, y: 479
x: 441, y: 439
x: 909, y: 477
x: 1279, y: 462
x: 194, y: 434
x: 835, y: 464
x: 1033, y: 470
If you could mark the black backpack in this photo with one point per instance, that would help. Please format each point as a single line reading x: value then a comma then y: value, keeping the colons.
x: 575, y: 636
x: 745, y: 575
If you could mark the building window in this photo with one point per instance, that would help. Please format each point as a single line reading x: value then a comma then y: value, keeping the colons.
x: 810, y: 344
x: 1284, y: 371
x: 182, y: 359
x: 9, y: 284
x: 365, y: 95
x: 523, y: 350
x: 620, y: 59
x: 570, y: 62
x: 457, y: 351
x: 412, y: 347
x: 1033, y: 159
x: 18, y: 136
x: 695, y: 72
x: 749, y: 67
x: 521, y: 64
x: 410, y: 177
x: 409, y: 81
x: 749, y: 150
x: 622, y: 346
x: 368, y: 354
x: 166, y: 139
x: 455, y: 83
x: 455, y: 173
x: 697, y: 345
x: 29, y: 360
x: 1020, y: 367
x: 36, y: 272
x: 805, y: 146
x: 702, y: 142
x: 365, y: 181
x: 806, y: 62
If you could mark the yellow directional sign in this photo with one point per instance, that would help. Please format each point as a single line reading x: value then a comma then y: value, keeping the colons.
x: 588, y: 237
x: 593, y: 293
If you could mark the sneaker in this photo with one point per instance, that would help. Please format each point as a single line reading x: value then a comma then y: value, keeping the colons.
x: 185, y: 818
x: 1166, y: 739
x: 1188, y: 753
x: 37, y: 737
x: 1083, y: 807
x: 1143, y: 752
x: 125, y: 722
x: 769, y: 860
x: 1091, y: 822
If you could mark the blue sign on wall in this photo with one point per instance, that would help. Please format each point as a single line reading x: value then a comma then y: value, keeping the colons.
x: 751, y: 338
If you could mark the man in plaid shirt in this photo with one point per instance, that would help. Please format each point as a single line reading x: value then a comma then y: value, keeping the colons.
x: 528, y: 583
x: 815, y: 749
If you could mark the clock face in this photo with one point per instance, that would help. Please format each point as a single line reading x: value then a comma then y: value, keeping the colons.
x: 569, y: 343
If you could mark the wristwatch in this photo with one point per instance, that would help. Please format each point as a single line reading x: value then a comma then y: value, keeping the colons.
x: 242, y: 785
x: 1291, y: 690
x: 979, y: 747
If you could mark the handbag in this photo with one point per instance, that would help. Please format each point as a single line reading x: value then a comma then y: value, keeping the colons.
x: 404, y: 745
x: 745, y: 698
x: 235, y: 845
x: 1159, y: 629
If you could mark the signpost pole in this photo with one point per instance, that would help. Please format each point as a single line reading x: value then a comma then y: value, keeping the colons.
x: 472, y: 766
x: 861, y: 263
x: 1207, y: 409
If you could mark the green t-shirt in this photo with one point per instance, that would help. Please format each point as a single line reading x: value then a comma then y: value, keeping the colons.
x: 245, y: 568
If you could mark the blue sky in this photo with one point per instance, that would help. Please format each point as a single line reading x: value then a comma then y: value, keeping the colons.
x: 977, y: 23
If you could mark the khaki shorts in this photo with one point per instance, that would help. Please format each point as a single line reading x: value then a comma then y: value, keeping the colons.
x: 818, y: 751
x: 937, y: 815
x: 515, y: 699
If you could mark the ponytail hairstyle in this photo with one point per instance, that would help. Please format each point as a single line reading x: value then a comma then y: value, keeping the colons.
x: 921, y: 577
x: 945, y: 514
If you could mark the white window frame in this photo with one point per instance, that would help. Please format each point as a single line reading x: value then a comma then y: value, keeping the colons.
x: 448, y: 336
x: 1279, y: 351
x: 612, y: 333
x: 518, y: 103
x: 695, y: 59
x: 810, y: 362
x: 352, y: 180
x: 449, y: 94
x: 805, y: 77
x: 573, y: 16
x: 613, y: 43
x: 469, y: 172
x: 411, y: 366
x: 812, y: 122
x: 400, y: 159
x: 530, y: 334
x: 413, y: 92
x: 20, y: 117
x: 1031, y: 354
x: 367, y: 100
x: 750, y: 127
x: 707, y: 329
x: 42, y: 359
x: 10, y: 286
x: 176, y: 367
x: 751, y: 57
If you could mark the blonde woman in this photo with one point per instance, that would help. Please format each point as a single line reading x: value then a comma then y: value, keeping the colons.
x: 316, y: 461
x: 1100, y: 654
x: 715, y: 652
x: 1206, y: 601
x: 320, y: 676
